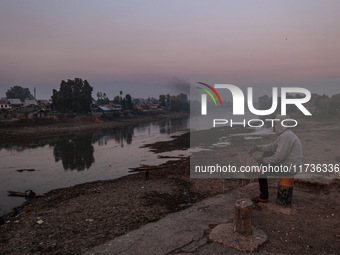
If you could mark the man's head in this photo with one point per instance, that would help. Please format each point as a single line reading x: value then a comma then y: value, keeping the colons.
x: 277, y: 127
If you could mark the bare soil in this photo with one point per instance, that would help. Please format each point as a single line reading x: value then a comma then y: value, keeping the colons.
x: 311, y: 225
x: 77, y: 218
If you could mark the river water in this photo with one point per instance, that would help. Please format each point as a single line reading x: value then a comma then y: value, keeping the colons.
x: 70, y: 160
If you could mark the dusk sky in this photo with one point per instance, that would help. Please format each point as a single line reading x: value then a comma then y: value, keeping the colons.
x: 147, y: 48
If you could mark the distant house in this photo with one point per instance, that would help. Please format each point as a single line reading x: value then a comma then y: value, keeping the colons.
x: 106, y: 110
x: 28, y: 102
x: 138, y: 107
x: 14, y: 102
x: 103, y: 111
x: 116, y: 107
x: 4, y: 109
x: 4, y: 105
x: 29, y: 111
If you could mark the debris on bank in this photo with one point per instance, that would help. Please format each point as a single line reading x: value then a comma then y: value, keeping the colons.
x: 25, y: 170
x: 28, y: 194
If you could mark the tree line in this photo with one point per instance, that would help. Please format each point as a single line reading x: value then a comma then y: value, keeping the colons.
x: 328, y: 105
x: 75, y: 96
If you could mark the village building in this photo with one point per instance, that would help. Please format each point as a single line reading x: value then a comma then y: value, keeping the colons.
x: 4, y: 108
x: 5, y: 105
x: 106, y: 110
x: 14, y: 102
x: 28, y: 112
x: 28, y: 102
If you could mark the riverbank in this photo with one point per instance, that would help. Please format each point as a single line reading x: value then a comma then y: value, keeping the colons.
x: 78, y: 218
x: 75, y: 219
x: 12, y: 131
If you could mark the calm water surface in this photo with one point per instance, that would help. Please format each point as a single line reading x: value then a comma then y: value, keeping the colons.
x: 70, y: 160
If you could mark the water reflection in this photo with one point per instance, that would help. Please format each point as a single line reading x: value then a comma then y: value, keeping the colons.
x: 21, y: 146
x: 73, y: 159
x: 75, y: 153
x: 169, y: 126
x: 165, y: 127
x: 120, y: 135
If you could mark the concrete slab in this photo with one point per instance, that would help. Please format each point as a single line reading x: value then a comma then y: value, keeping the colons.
x: 225, y: 234
x: 179, y: 232
x: 186, y: 232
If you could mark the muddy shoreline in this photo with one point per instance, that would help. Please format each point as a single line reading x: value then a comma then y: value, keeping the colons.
x: 78, y: 218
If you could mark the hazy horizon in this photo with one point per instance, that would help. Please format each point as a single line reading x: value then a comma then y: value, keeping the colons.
x: 147, y: 48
